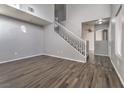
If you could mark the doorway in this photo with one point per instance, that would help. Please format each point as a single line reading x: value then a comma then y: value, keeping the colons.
x: 88, y: 34
x: 96, y: 33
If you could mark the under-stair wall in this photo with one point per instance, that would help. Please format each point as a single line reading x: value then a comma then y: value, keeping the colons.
x: 55, y: 45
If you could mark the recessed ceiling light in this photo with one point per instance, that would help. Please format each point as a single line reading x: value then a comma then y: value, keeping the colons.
x: 100, y: 21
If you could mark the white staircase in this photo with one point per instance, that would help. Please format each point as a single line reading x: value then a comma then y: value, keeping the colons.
x: 78, y: 43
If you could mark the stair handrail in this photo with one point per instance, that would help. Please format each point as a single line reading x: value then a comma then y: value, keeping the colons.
x: 69, y: 31
x: 84, y: 41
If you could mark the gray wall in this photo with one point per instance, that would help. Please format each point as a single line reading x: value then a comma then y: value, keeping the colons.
x: 114, y: 9
x: 118, y: 61
x: 19, y: 39
x: 55, y: 45
x: 78, y: 13
x: 101, y: 48
x: 44, y: 11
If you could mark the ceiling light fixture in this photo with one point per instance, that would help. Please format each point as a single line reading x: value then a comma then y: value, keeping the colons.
x: 100, y: 21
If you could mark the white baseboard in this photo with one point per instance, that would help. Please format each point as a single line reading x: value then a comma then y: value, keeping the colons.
x: 117, y: 72
x: 65, y: 58
x: 20, y: 58
x: 40, y: 55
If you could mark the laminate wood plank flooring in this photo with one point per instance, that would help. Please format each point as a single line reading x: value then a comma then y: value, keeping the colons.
x: 52, y: 72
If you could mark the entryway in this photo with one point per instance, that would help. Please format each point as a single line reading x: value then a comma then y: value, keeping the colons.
x: 96, y: 33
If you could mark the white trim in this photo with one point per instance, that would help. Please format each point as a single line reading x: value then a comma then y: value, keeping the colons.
x: 40, y: 55
x: 100, y: 55
x: 117, y: 72
x: 20, y: 58
x: 65, y: 58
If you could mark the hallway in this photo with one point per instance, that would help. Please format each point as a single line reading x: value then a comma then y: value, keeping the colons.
x: 46, y: 71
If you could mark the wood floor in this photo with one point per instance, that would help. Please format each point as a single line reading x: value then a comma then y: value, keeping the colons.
x: 50, y: 72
